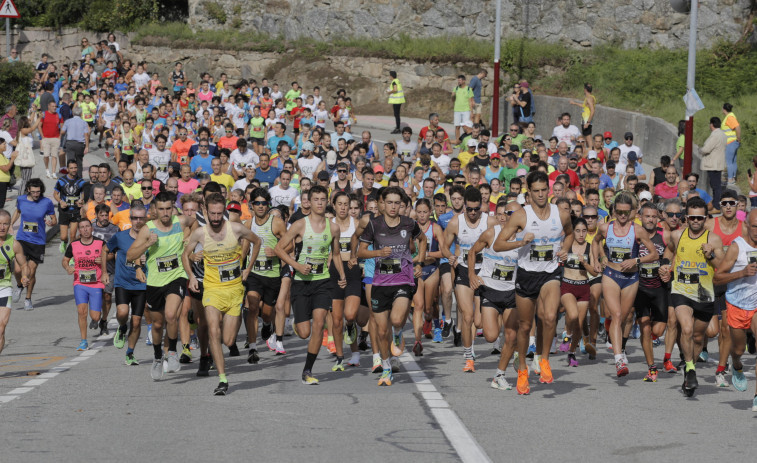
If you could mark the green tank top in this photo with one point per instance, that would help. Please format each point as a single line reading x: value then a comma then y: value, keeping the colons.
x: 257, y: 127
x: 315, y: 252
x: 266, y: 266
x: 164, y: 257
x: 6, y: 257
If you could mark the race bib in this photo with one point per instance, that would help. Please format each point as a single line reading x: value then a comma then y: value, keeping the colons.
x: 31, y: 227
x: 264, y: 184
x: 3, y: 271
x: 316, y: 265
x: 229, y: 272
x: 650, y: 270
x: 163, y: 167
x: 688, y: 276
x: 503, y: 272
x: 344, y: 244
x: 257, y: 129
x: 573, y: 261
x: 543, y: 253
x: 751, y: 257
x: 618, y: 255
x: 263, y: 265
x: 148, y: 146
x: 72, y: 200
x: 390, y: 266
x: 167, y: 263
x: 87, y: 276
x: 479, y: 258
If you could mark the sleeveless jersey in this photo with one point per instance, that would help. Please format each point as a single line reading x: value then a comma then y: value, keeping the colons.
x: 498, y: 269
x: 6, y: 258
x: 87, y: 271
x: 315, y: 252
x: 164, y: 257
x: 743, y: 292
x: 433, y: 244
x: 257, y: 127
x: 541, y: 254
x: 346, y: 236
x: 265, y: 266
x: 727, y: 239
x: 466, y: 238
x: 649, y: 274
x: 222, y: 259
x: 573, y: 261
x: 692, y: 274
x: 620, y: 248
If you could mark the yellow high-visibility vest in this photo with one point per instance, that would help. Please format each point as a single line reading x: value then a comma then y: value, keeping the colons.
x: 399, y: 96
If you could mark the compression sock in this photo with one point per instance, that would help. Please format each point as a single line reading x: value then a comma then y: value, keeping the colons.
x: 158, y: 349
x: 720, y: 369
x: 468, y: 353
x: 690, y: 366
x: 129, y: 351
x: 310, y: 361
x: 666, y: 358
x: 222, y: 378
x: 436, y: 323
x: 625, y: 341
x: 172, y: 344
x: 122, y: 329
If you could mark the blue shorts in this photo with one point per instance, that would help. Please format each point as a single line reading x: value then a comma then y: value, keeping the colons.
x: 89, y: 295
x: 623, y: 279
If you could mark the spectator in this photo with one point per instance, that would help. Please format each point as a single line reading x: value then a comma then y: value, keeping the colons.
x: 476, y: 86
x: 658, y: 173
x: 680, y: 144
x: 76, y: 132
x: 523, y: 104
x: 10, y: 114
x: 713, y: 158
x: 565, y: 132
x: 13, y: 57
x: 50, y: 127
x: 627, y: 147
x: 587, y: 109
x: 463, y: 96
x: 669, y: 188
x: 732, y: 131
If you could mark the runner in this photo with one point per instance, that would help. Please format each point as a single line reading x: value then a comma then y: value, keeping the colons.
x: 11, y: 254
x: 90, y: 276
x: 739, y: 271
x: 103, y: 230
x: 391, y: 236
x: 36, y: 213
x: 697, y: 252
x: 464, y: 230
x: 129, y: 283
x: 223, y: 290
x: 163, y: 240
x: 68, y: 195
x: 537, y: 285
x: 311, y: 290
x: 589, y: 342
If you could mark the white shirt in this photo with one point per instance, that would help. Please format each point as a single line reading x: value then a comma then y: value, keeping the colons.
x: 236, y: 114
x: 443, y: 162
x: 308, y: 166
x: 160, y: 160
x: 624, y: 150
x: 281, y: 196
x: 239, y: 160
x: 8, y: 139
x: 141, y: 80
x: 568, y: 135
x: 240, y: 184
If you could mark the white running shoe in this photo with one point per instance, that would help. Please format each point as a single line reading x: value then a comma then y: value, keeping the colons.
x: 172, y: 362
x: 499, y: 382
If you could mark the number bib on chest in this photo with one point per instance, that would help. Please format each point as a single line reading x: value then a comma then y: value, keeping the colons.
x: 649, y: 270
x: 87, y: 276
x: 31, y: 227
x: 316, y: 265
x: 390, y: 266
x: 688, y: 276
x: 618, y: 255
x: 503, y: 272
x: 751, y: 257
x: 263, y: 265
x: 543, y: 253
x: 344, y: 244
x: 167, y: 263
x: 229, y: 272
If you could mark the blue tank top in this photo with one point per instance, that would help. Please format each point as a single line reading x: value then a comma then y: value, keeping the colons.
x: 620, y: 248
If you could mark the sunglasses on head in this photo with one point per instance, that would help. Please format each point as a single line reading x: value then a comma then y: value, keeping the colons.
x: 696, y: 217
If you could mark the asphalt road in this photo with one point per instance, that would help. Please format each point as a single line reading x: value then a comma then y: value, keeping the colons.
x: 57, y: 404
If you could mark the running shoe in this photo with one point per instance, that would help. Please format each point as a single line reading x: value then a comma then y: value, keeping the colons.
x: 103, y: 324
x: 350, y: 333
x: 222, y: 389
x: 271, y: 343
x: 446, y: 329
x: 395, y: 350
x: 395, y: 364
x: 418, y: 349
x: 331, y: 347
x: 479, y: 333
x: 469, y: 366
x: 363, y: 341
x: 457, y: 338
x: 119, y: 339
x: 172, y: 360
x: 591, y: 350
x: 253, y: 357
x: 427, y: 326
x: 582, y: 346
x: 531, y: 351
x: 156, y: 371
x: 651, y: 375
x: 194, y: 344
x: 280, y: 348
x: 17, y: 293
x: 62, y: 248
x: 669, y: 367
x: 386, y: 378
x: 83, y: 345
x: 338, y: 366
x: 289, y: 327
x: 555, y: 348
x: 437, y: 335
x: 233, y: 350
x: 720, y: 379
x: 499, y: 382
x: 691, y: 379
x: 28, y: 306
x: 545, y: 376
x: 635, y: 331
x: 572, y: 361
x: 246, y: 344
x: 377, y: 368
x: 704, y: 356
x: 608, y: 344
x: 625, y: 359
x: 92, y: 324
x: 621, y: 368
x: 738, y: 379
x: 148, y: 337
x: 565, y: 344
x: 354, y: 361
x: 130, y: 360
x: 657, y: 341
x: 754, y: 404
x: 522, y: 386
x: 325, y: 341
x: 266, y: 331
x: 308, y: 379
x: 186, y: 356
x: 535, y: 368
x: 204, y: 366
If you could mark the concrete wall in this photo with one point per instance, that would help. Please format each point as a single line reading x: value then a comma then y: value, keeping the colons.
x: 62, y: 45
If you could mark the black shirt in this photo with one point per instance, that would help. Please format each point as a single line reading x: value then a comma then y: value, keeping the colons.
x: 659, y: 176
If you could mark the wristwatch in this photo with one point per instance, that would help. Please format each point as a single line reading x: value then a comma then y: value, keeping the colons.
x: 638, y: 261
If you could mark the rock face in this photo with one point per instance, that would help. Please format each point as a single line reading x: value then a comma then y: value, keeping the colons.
x: 579, y: 23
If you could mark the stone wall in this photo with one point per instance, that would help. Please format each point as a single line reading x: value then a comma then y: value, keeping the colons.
x: 630, y: 23
x: 63, y: 45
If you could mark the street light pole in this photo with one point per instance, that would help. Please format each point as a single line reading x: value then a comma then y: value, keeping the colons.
x: 497, y: 40
x: 691, y: 71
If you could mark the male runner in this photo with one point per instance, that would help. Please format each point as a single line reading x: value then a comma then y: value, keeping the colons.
x: 68, y: 195
x: 104, y: 230
x: 11, y: 254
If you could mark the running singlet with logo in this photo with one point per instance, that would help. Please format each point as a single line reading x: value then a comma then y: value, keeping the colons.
x: 86, y: 270
x: 346, y: 236
x: 541, y: 254
x: 741, y: 292
x: 692, y: 274
x: 7, y: 256
x: 126, y: 272
x: 397, y: 269
x: 315, y: 253
x: 265, y: 266
x: 222, y: 259
x: 466, y: 238
x: 620, y: 248
x: 164, y: 257
x: 649, y: 274
x: 70, y: 191
x: 498, y: 269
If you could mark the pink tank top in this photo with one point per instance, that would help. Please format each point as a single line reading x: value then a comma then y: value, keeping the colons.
x: 86, y: 271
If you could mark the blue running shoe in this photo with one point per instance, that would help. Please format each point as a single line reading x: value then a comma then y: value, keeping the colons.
x: 531, y: 351
x: 437, y: 335
x: 83, y: 345
x: 738, y: 379
x: 754, y: 404
x: 582, y: 347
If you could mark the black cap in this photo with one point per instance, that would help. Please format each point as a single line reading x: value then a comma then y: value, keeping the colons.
x: 628, y: 135
x: 323, y: 175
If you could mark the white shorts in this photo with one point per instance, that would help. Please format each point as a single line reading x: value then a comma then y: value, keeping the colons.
x: 49, y: 146
x: 461, y: 117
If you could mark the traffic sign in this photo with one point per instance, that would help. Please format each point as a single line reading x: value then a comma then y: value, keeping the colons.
x: 8, y: 9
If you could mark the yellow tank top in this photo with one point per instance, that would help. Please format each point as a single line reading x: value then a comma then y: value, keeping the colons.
x: 590, y: 236
x: 692, y: 273
x: 222, y: 259
x: 586, y: 112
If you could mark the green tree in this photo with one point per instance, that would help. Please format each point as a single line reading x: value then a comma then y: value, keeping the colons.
x: 15, y: 79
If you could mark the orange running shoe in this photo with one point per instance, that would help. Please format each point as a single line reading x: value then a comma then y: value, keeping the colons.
x: 522, y: 387
x: 469, y: 366
x: 546, y: 372
x: 325, y: 341
x: 331, y: 347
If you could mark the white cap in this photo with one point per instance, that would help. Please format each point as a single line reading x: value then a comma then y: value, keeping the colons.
x: 645, y: 195
x: 308, y: 146
x: 331, y: 157
x: 592, y: 154
x: 472, y: 142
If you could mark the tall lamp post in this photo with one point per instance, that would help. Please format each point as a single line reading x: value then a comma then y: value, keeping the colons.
x: 689, y: 6
x: 497, y: 40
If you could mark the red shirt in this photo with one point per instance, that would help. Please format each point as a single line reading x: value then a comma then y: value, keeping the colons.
x: 422, y: 134
x: 296, y: 112
x: 229, y: 143
x: 666, y: 192
x: 573, y: 177
x: 50, y: 125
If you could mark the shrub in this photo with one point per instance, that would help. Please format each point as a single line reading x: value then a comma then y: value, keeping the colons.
x: 15, y: 79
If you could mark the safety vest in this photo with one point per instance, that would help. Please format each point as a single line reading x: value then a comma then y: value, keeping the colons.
x: 399, y: 96
x: 729, y: 132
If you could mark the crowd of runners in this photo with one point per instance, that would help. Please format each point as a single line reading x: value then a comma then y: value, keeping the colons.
x: 236, y: 203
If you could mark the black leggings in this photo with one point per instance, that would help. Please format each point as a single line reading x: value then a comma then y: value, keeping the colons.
x: 397, y: 114
x: 3, y: 193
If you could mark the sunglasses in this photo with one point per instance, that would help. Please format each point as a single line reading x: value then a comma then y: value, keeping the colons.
x: 145, y: 188
x: 728, y: 203
x: 137, y: 218
x: 260, y: 203
x: 701, y: 218
x: 509, y: 213
x: 342, y: 171
x: 591, y: 217
x: 228, y: 131
x: 473, y: 209
x: 623, y: 213
x: 459, y: 183
x: 513, y: 130
x: 677, y: 215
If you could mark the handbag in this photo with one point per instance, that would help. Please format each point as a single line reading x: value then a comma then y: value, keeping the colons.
x: 25, y: 154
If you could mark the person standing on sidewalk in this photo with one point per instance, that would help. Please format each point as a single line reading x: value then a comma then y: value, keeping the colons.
x: 732, y: 131
x: 50, y: 129
x: 396, y: 98
x: 476, y: 85
x: 713, y: 158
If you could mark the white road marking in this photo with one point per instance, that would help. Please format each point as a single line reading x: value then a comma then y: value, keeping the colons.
x: 35, y: 382
x: 458, y: 435
x: 7, y: 398
x: 20, y: 390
